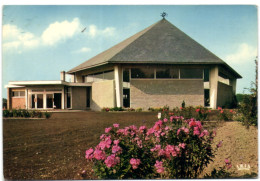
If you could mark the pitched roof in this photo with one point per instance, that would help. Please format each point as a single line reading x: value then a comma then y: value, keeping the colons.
x: 161, y: 42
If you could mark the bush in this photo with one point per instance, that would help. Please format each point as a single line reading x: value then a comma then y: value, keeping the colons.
x: 173, y: 148
x: 6, y: 113
x: 47, y: 115
x: 226, y: 114
x: 139, y: 109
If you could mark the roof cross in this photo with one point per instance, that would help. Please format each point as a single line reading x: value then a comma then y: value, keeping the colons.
x: 163, y: 14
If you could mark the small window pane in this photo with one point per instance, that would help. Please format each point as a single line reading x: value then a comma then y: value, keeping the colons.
x: 142, y: 73
x: 163, y: 73
x: 16, y: 94
x: 191, y: 73
x: 126, y: 75
x: 22, y: 93
x: 167, y: 73
x: 206, y: 75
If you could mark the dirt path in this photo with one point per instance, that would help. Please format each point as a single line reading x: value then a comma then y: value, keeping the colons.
x: 240, y: 146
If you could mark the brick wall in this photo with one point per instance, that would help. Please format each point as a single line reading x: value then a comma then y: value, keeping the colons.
x: 158, y: 93
x: 18, y: 102
x: 225, y: 94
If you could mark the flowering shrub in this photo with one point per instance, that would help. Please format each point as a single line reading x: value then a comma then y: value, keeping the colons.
x: 202, y: 113
x: 172, y: 148
x: 226, y: 114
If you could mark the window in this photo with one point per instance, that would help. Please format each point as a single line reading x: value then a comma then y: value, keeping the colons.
x: 126, y: 75
x: 191, y: 73
x: 49, y: 100
x: 18, y: 93
x: 206, y: 97
x: 206, y: 75
x: 142, y: 73
x: 68, y: 94
x: 167, y: 73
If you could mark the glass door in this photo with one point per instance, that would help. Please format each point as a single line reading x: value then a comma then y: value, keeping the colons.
x: 49, y: 100
x: 37, y: 101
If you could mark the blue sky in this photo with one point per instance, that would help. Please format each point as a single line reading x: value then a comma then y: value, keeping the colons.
x: 40, y: 41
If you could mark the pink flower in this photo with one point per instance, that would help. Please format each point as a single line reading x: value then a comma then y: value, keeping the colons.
x: 165, y: 120
x: 228, y: 163
x: 204, y: 133
x: 159, y: 166
x: 116, y: 125
x: 170, y: 150
x: 116, y: 149
x: 196, y: 131
x: 112, y: 160
x: 99, y: 155
x: 108, y: 129
x: 135, y: 163
x: 182, y: 145
x: 197, y: 110
x: 102, y: 136
x: 219, y: 108
x: 156, y: 148
x: 89, y: 154
x: 105, y: 144
x: 142, y: 128
x: 140, y: 143
x: 116, y: 142
x: 219, y: 144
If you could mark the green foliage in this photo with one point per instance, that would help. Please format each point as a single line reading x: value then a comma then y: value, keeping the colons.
x: 47, y: 115
x: 173, y: 148
x: 183, y: 104
x: 221, y: 173
x: 23, y: 113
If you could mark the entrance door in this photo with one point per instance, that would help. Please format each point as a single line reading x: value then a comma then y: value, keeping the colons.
x: 37, y: 101
x: 57, y: 100
x: 88, y: 97
x: 126, y: 97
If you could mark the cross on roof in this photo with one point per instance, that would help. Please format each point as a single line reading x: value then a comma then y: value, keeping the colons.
x: 163, y: 14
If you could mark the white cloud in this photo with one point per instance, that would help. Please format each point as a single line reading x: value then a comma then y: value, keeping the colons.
x: 82, y: 50
x: 60, y: 31
x: 14, y: 38
x: 93, y: 31
x: 243, y: 54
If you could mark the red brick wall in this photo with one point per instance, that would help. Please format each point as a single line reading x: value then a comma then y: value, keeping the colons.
x: 18, y: 102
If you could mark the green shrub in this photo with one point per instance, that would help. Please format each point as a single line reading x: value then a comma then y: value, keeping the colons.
x: 139, y: 109
x: 39, y: 114
x: 47, y: 115
x: 6, y: 113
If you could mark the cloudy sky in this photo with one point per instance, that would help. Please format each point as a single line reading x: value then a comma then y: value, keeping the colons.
x: 40, y: 41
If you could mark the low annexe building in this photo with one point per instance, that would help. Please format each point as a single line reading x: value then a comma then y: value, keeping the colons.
x: 158, y: 66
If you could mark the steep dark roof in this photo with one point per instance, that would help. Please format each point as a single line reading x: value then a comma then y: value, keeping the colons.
x: 161, y: 42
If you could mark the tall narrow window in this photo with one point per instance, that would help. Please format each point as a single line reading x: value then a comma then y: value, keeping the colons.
x: 49, y: 100
x: 206, y: 97
x: 126, y: 75
x: 206, y: 75
x: 68, y: 95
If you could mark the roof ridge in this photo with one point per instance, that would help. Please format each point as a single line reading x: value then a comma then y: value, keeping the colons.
x: 145, y: 30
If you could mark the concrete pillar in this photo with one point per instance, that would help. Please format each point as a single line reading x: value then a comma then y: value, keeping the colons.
x: 26, y: 98
x: 9, y: 98
x: 119, y: 85
x: 233, y: 83
x: 62, y: 75
x: 213, y: 84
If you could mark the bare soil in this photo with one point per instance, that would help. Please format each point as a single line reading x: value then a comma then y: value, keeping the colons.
x: 55, y: 148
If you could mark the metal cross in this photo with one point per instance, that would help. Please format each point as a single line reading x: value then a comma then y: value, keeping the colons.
x: 163, y: 14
